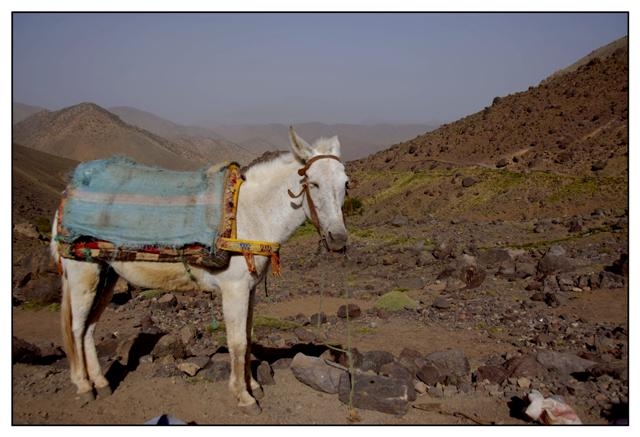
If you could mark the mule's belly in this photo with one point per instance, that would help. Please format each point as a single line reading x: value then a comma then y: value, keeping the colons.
x: 166, y: 276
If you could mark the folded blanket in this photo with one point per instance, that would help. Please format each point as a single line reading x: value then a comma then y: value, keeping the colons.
x: 134, y: 207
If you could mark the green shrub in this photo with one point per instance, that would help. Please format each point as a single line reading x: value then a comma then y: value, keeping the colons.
x: 395, y: 300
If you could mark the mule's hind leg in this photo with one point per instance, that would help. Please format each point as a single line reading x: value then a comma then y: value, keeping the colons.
x: 103, y: 297
x: 235, y: 305
x: 80, y: 281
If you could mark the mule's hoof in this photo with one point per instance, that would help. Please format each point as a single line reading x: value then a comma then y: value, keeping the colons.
x: 257, y: 392
x: 251, y: 409
x: 86, y: 397
x: 104, y: 392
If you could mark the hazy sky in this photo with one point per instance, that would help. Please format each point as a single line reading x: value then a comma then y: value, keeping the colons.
x: 212, y: 68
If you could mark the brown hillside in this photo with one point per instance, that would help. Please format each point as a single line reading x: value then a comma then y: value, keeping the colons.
x: 87, y: 131
x: 567, y: 124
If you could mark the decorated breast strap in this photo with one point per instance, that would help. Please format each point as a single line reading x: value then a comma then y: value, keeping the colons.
x: 229, y: 242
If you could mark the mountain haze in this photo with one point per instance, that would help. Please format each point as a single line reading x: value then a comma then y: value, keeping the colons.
x: 22, y: 111
x: 205, y: 143
x: 357, y: 141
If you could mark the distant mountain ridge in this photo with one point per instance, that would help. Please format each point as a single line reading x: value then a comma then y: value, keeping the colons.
x: 87, y: 131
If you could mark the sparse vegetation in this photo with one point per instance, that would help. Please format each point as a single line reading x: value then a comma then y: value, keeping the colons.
x: 395, y: 300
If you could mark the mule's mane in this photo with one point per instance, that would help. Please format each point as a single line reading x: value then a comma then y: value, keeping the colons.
x: 268, y: 156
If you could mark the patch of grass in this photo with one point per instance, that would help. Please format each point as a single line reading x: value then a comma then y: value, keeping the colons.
x: 31, y: 305
x: 274, y: 323
x: 395, y: 300
x: 577, y: 188
x: 304, y: 230
x: 43, y: 225
x: 151, y: 294
x: 365, y: 330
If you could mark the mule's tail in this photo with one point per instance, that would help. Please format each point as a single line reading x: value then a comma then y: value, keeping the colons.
x: 66, y: 316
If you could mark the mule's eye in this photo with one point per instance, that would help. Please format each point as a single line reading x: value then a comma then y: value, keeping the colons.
x: 314, y: 185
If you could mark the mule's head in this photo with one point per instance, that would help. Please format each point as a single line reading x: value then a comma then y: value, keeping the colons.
x: 326, y: 186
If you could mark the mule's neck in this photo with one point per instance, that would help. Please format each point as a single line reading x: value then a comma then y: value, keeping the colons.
x: 265, y: 210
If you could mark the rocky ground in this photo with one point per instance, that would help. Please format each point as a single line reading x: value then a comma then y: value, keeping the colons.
x: 446, y: 322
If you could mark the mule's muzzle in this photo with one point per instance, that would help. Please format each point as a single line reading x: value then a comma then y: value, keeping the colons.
x: 336, y: 241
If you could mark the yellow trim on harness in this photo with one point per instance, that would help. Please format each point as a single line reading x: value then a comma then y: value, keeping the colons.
x: 248, y: 248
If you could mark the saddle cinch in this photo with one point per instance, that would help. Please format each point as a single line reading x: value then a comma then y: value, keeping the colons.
x: 118, y: 210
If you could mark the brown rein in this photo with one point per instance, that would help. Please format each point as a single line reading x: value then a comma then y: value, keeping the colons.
x: 305, y: 191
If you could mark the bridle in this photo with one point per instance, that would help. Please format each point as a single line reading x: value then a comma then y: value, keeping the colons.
x: 307, y: 193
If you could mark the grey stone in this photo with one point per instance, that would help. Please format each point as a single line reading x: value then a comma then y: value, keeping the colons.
x: 264, y: 374
x: 525, y: 365
x: 304, y: 335
x: 315, y: 373
x: 351, y: 310
x: 411, y: 359
x: 441, y: 303
x: 44, y: 289
x: 188, y: 334
x: 563, y: 362
x: 169, y: 345
x: 525, y: 270
x: 555, y: 261
x: 469, y: 181
x: 400, y: 221
x: 24, y: 352
x: 610, y: 280
x: 374, y: 360
x: 374, y: 392
x: 494, y: 257
x: 318, y: 318
x: 450, y: 362
x: 217, y: 369
x: 494, y: 374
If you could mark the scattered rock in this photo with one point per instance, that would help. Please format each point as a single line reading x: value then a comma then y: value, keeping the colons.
x: 610, y: 280
x: 503, y: 162
x: 166, y: 302
x: 374, y: 392
x: 374, y: 360
x: 217, y: 369
x: 27, y: 229
x: 43, y: 290
x: 525, y: 365
x: 351, y: 311
x: 24, y: 352
x: 400, y: 221
x: 188, y: 367
x: 555, y: 261
x: 316, y: 373
x: 441, y: 303
x: 598, y: 165
x: 318, y: 318
x: 304, y: 335
x: 169, y: 345
x: 563, y: 362
x: 451, y: 363
x: 494, y: 374
x: 264, y: 374
x: 469, y: 181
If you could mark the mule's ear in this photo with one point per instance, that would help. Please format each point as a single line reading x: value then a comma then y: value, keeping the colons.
x: 329, y: 146
x: 300, y: 147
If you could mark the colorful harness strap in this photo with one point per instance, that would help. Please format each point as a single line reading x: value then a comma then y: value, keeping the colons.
x: 229, y: 242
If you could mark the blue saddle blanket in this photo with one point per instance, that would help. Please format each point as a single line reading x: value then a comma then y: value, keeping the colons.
x: 135, y: 206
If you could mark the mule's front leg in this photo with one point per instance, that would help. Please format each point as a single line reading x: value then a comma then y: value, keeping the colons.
x: 235, y: 305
